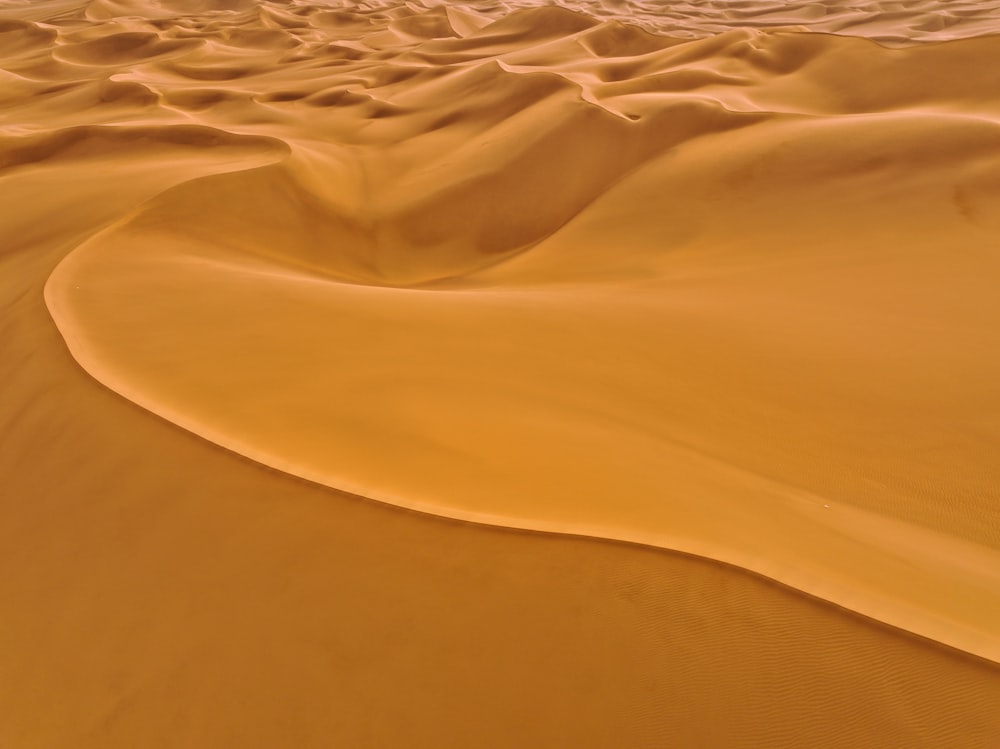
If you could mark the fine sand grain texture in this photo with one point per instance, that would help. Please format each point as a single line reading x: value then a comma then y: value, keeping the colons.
x: 694, y: 303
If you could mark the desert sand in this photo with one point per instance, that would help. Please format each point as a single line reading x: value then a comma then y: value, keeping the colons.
x: 605, y: 374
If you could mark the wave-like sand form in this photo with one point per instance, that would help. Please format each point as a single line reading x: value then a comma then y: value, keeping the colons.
x: 731, y: 296
x: 897, y: 23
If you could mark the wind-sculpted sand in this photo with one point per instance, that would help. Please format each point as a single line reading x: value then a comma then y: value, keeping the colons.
x: 726, y: 291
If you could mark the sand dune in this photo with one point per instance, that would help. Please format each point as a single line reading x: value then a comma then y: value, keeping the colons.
x: 726, y: 290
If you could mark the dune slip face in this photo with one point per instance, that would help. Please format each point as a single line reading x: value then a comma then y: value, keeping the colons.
x: 717, y: 278
x: 529, y: 267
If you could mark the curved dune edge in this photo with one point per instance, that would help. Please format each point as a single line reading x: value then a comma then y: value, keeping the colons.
x: 899, y: 613
x: 914, y: 620
x: 749, y: 98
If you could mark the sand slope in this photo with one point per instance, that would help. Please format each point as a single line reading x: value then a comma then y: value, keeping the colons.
x: 731, y: 296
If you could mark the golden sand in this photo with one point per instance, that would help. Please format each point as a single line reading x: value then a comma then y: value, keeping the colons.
x: 709, y: 281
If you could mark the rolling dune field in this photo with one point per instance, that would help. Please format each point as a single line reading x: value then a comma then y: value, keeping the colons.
x: 598, y: 374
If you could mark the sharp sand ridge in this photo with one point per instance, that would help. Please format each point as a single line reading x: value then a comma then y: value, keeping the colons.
x: 718, y: 279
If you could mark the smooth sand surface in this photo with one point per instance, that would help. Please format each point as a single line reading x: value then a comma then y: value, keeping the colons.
x: 727, y: 290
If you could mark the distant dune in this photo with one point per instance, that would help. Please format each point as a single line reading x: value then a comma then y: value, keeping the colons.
x: 714, y: 279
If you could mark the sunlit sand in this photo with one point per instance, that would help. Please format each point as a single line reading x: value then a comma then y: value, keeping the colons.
x: 675, y: 323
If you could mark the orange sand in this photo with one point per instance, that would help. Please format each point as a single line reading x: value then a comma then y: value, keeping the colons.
x: 728, y: 290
